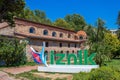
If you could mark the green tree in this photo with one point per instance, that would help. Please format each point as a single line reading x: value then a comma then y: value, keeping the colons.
x: 113, y: 44
x: 91, y: 33
x: 102, y: 53
x: 62, y: 23
x: 12, y: 52
x: 118, y: 23
x: 118, y: 20
x: 118, y: 34
x: 8, y: 9
x: 100, y: 30
x: 76, y: 21
x: 96, y: 42
x: 106, y: 49
x: 34, y: 15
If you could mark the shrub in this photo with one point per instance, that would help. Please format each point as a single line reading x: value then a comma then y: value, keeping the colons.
x: 81, y: 76
x: 12, y: 52
x: 103, y: 73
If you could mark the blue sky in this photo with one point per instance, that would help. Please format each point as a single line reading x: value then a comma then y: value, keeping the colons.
x: 89, y: 9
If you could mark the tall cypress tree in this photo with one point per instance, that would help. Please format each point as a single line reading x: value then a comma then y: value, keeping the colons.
x: 118, y: 23
x: 118, y: 20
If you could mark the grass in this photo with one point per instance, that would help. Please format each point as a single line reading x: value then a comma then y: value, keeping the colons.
x: 27, y: 64
x: 115, y: 63
x: 30, y: 76
x: 30, y: 64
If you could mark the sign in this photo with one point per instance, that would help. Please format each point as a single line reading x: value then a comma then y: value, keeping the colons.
x: 81, y: 63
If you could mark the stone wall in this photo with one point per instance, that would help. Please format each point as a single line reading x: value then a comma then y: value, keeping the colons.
x: 7, y: 31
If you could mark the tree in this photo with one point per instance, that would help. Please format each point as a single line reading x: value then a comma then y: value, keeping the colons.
x: 112, y: 43
x: 100, y: 30
x: 62, y: 23
x: 12, y: 52
x: 8, y: 9
x: 96, y: 34
x: 91, y: 33
x: 118, y: 20
x: 76, y: 21
x: 118, y: 34
x: 34, y: 15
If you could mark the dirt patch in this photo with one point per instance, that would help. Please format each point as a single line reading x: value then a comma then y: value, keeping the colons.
x: 53, y: 76
x: 5, y: 76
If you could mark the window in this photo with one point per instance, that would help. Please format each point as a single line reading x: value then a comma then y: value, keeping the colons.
x: 61, y: 35
x: 60, y: 44
x: 68, y: 44
x: 54, y: 34
x: 32, y: 30
x: 61, y: 51
x: 75, y: 45
x: 46, y: 44
x: 69, y: 35
x: 73, y: 51
x: 75, y: 37
x: 80, y: 37
x: 45, y: 32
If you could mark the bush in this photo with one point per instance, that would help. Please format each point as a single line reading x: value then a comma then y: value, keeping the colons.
x: 12, y: 52
x: 103, y: 73
x: 81, y: 76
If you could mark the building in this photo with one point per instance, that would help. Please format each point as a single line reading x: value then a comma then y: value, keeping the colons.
x: 114, y: 32
x: 58, y: 39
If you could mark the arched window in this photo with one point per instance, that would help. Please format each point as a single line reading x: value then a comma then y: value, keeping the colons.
x: 81, y: 37
x: 32, y: 30
x: 75, y: 37
x: 61, y: 35
x: 45, y: 32
x: 54, y: 34
x: 73, y: 51
x: 61, y: 51
x: 69, y: 35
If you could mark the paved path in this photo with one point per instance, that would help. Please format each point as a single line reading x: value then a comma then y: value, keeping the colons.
x: 5, y: 76
x: 18, y: 70
x: 14, y: 70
